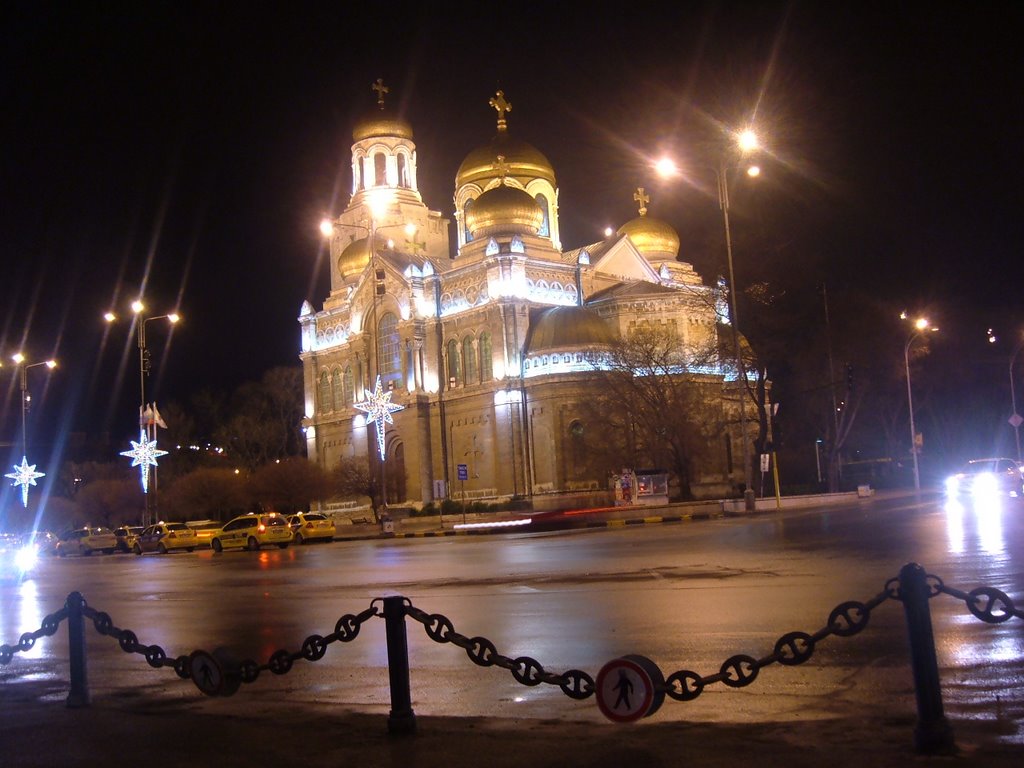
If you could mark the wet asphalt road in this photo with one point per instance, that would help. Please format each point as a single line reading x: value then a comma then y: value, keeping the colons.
x: 688, y: 596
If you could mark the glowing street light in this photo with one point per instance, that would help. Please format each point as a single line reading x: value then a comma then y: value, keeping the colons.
x: 742, y: 144
x: 144, y: 452
x: 921, y: 326
x: 25, y: 474
x: 1015, y: 418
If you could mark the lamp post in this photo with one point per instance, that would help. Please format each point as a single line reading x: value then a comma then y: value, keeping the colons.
x: 144, y: 453
x: 746, y: 142
x: 1015, y: 418
x: 26, y: 474
x: 921, y: 326
x: 742, y: 143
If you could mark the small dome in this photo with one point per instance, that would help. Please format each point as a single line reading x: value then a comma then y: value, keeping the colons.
x: 521, y: 161
x: 356, y: 256
x: 564, y: 328
x: 655, y: 239
x: 381, y: 122
x: 506, y: 210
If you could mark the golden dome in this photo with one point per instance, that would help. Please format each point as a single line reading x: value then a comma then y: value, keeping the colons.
x: 504, y: 209
x: 655, y: 239
x: 563, y: 328
x: 356, y: 257
x: 521, y: 161
x: 381, y: 122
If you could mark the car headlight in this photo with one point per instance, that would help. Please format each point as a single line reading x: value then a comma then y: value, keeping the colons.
x: 984, y: 483
x: 26, y: 558
x: 952, y: 484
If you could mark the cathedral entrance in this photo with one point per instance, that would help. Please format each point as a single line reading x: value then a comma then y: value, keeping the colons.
x: 395, y: 473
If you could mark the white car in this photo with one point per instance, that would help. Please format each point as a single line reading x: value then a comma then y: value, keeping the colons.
x: 981, y: 477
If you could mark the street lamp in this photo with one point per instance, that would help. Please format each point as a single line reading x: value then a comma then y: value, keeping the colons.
x: 921, y: 326
x: 1015, y: 418
x: 742, y: 144
x: 144, y: 453
x: 25, y: 474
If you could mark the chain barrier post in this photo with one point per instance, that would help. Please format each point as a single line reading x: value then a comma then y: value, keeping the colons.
x: 401, y: 718
x: 78, y: 696
x: 933, y: 733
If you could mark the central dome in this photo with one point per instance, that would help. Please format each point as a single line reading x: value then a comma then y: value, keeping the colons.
x: 522, y: 160
x: 506, y: 210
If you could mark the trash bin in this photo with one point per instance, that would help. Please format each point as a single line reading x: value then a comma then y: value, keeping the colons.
x: 387, y: 525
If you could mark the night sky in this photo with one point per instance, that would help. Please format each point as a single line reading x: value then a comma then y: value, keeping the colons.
x: 188, y: 151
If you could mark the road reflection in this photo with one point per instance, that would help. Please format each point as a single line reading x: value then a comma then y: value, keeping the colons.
x: 980, y: 521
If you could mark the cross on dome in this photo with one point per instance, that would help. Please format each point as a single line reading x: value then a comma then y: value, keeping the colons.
x: 381, y: 89
x: 502, y: 107
x: 643, y: 199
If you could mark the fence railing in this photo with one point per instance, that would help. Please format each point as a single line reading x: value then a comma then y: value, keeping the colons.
x: 635, y: 682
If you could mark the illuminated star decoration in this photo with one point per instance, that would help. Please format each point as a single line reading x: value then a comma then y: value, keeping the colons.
x: 25, y: 475
x: 144, y: 454
x: 378, y: 408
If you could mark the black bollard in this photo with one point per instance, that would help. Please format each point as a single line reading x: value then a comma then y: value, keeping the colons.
x: 933, y: 733
x: 401, y: 719
x: 78, y: 696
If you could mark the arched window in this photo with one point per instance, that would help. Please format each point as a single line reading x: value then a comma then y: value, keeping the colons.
x: 465, y: 217
x: 389, y: 352
x: 545, y: 225
x: 380, y: 172
x: 348, y: 389
x: 486, y: 361
x: 337, y: 390
x: 468, y: 361
x: 325, y: 392
x: 403, y: 172
x: 454, y: 368
x: 577, y: 449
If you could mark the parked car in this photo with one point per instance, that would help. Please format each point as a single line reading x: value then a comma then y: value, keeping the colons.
x: 44, y: 542
x: 204, y: 530
x: 311, y: 526
x: 979, y: 477
x: 252, y: 532
x: 17, y: 559
x: 85, y: 541
x: 165, y: 537
x: 125, y: 536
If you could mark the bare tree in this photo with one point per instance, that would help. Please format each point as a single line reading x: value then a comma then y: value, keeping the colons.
x: 207, y: 493
x: 660, y: 405
x: 290, y: 485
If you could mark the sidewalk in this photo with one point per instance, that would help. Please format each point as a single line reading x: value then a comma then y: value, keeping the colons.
x: 164, y: 727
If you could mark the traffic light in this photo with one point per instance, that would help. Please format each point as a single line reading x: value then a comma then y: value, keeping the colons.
x: 849, y: 376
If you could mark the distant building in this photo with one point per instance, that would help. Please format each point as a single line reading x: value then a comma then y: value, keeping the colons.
x: 493, y: 352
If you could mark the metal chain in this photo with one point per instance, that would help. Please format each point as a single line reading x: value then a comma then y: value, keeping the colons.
x: 575, y: 683
x: 346, y: 629
x: 846, y: 620
x: 156, y: 657
x: 986, y: 603
x: 51, y: 624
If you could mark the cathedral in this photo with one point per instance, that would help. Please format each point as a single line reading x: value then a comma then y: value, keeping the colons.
x: 470, y: 372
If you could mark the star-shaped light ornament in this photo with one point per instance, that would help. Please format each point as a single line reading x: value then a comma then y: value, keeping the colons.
x: 24, y: 475
x: 144, y: 454
x: 378, y: 408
